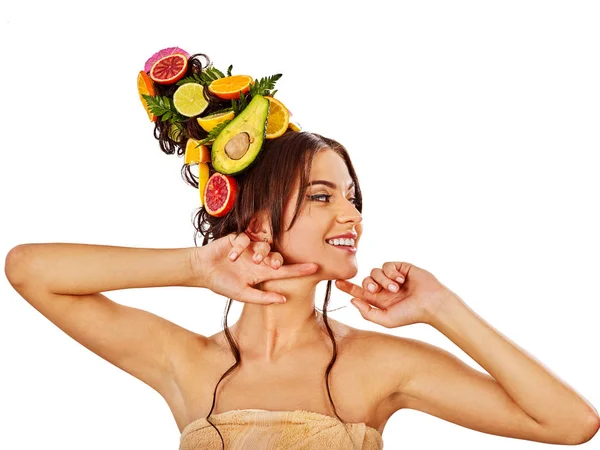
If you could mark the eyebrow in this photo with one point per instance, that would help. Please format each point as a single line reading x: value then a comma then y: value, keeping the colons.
x: 329, y: 184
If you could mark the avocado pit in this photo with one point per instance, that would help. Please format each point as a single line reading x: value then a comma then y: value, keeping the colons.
x: 238, y: 145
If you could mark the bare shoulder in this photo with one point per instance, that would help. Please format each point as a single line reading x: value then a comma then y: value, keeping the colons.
x: 392, y: 357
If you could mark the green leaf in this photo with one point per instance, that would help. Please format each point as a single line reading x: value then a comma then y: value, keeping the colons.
x: 162, y: 107
x: 194, y: 78
x: 243, y: 102
x: 229, y: 70
x: 264, y: 85
x: 212, y: 135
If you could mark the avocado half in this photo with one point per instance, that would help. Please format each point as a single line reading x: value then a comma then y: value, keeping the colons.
x: 240, y: 141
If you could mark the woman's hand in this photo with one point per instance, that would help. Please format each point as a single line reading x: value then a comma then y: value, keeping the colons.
x: 417, y: 296
x: 234, y: 277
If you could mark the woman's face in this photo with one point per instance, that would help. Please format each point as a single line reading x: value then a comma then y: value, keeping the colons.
x: 326, y: 211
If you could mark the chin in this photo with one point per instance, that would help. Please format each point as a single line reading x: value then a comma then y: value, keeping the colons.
x: 343, y: 274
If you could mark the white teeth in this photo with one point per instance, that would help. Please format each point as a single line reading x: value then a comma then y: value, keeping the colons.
x: 346, y: 242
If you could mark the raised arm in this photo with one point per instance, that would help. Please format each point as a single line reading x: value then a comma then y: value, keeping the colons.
x: 63, y: 282
x: 80, y: 269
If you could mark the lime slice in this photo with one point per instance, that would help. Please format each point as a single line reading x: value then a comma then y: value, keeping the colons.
x: 176, y: 131
x: 189, y: 99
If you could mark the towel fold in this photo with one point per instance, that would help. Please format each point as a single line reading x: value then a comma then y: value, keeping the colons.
x: 259, y: 429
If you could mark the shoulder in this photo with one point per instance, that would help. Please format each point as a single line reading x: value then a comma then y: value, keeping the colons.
x: 393, y: 358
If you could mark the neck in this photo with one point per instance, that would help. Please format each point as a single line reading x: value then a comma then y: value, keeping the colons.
x: 266, y: 332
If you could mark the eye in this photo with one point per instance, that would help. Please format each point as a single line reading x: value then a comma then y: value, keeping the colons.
x: 314, y: 197
x: 354, y: 200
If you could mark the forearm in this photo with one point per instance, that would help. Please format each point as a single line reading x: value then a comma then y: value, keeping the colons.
x: 543, y: 396
x: 79, y: 269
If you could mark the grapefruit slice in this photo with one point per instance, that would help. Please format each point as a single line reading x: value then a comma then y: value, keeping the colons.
x: 161, y: 54
x: 170, y: 69
x: 145, y: 87
x: 202, y: 180
x: 219, y: 194
x: 195, y: 153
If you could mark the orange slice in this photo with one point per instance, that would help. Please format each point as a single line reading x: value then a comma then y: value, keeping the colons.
x: 169, y: 69
x: 209, y: 122
x: 145, y: 87
x: 278, y: 119
x: 229, y: 87
x: 195, y: 154
x: 202, y: 180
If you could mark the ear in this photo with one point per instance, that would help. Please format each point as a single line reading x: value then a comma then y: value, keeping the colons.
x: 259, y: 227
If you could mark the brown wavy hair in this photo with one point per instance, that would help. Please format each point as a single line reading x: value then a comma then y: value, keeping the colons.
x: 265, y: 186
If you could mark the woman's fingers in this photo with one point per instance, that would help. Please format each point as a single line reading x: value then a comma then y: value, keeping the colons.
x: 384, y: 281
x: 239, y: 244
x: 291, y: 271
x: 252, y: 295
x: 369, y: 284
x: 274, y: 260
x: 356, y: 291
x: 261, y: 250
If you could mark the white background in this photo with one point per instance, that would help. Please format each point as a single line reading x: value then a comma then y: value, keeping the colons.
x: 473, y: 127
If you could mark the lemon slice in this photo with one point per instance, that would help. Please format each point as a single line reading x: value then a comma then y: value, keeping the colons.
x: 202, y: 180
x: 295, y: 126
x: 189, y: 99
x: 209, y: 122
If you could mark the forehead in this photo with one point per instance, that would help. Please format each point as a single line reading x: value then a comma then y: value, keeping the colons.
x: 328, y: 165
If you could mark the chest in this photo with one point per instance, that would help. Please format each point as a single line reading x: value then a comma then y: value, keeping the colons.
x: 294, y: 383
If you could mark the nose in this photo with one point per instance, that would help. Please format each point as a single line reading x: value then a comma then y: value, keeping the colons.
x: 349, y: 213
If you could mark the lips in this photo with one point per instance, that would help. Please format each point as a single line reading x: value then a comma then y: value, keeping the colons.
x: 349, y: 235
x: 346, y: 248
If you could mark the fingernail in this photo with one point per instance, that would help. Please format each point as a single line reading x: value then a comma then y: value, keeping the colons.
x: 393, y: 287
x: 232, y: 255
x: 400, y: 280
x: 284, y: 300
x: 371, y: 287
x: 277, y: 263
x: 257, y: 257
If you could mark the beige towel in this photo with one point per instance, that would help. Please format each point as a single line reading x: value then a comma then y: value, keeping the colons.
x: 259, y: 429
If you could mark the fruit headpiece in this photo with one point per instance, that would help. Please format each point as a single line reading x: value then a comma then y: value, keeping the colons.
x: 218, y: 121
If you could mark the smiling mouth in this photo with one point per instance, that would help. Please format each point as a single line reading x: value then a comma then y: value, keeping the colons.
x: 348, y: 248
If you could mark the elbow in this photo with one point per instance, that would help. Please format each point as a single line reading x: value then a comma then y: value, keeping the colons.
x: 586, y: 432
x: 13, y: 265
x: 593, y: 427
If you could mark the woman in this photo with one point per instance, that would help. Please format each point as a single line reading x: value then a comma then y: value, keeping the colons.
x: 262, y: 377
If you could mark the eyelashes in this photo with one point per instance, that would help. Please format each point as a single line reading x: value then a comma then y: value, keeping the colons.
x: 315, y: 197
